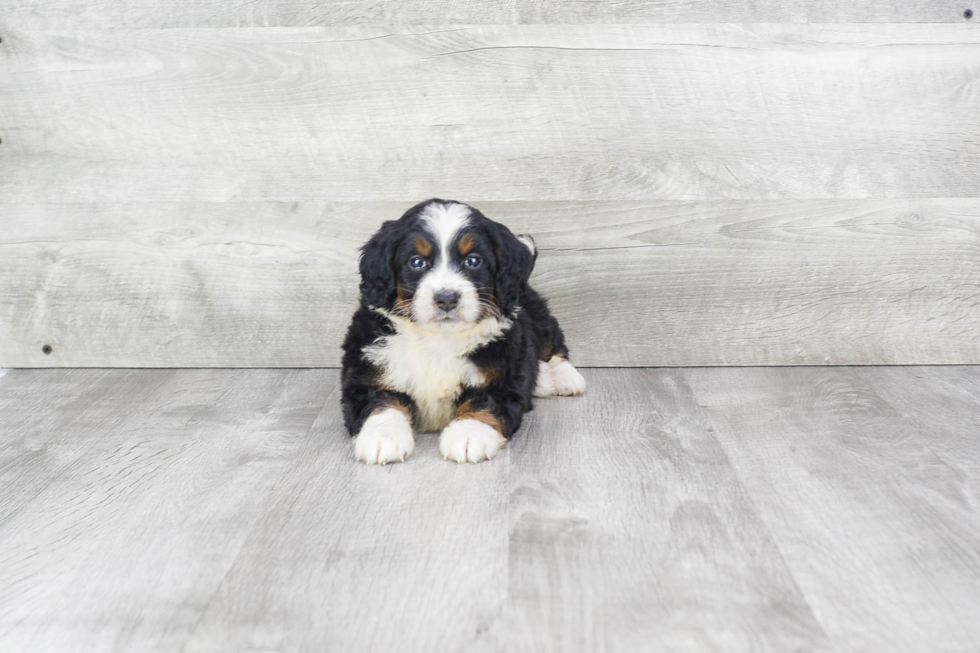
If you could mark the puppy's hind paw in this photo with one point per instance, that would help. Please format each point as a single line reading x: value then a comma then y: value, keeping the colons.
x: 545, y: 386
x: 568, y: 381
x: 386, y: 437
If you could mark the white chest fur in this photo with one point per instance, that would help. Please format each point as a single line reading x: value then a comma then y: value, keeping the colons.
x: 432, y: 368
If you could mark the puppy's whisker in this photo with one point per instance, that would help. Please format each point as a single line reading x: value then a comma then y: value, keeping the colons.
x: 491, y: 310
x: 402, y: 307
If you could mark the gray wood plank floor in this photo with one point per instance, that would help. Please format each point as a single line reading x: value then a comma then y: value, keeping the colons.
x: 730, y: 509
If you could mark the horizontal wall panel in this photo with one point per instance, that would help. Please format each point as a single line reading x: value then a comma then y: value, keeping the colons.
x: 506, y: 113
x: 633, y: 282
x: 59, y: 14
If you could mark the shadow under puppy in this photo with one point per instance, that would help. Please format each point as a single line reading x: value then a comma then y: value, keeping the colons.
x: 448, y: 337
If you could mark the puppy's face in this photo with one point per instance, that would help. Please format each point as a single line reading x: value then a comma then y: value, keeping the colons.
x: 444, y: 266
x: 444, y: 269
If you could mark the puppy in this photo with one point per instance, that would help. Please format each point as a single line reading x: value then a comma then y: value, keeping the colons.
x: 448, y: 337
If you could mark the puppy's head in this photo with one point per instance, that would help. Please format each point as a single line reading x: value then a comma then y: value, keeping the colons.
x: 445, y: 266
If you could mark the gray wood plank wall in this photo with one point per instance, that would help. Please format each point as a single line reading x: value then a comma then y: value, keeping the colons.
x: 62, y: 14
x: 767, y: 193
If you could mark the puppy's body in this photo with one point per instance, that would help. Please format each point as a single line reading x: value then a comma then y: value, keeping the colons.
x: 449, y: 336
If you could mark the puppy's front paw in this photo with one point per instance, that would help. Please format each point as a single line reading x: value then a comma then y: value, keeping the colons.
x: 386, y: 437
x: 470, y: 440
x: 567, y: 380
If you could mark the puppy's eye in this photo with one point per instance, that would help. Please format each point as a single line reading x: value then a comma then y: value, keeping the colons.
x: 472, y: 261
x: 417, y: 262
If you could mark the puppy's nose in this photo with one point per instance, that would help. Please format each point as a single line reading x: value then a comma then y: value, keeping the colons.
x: 446, y: 299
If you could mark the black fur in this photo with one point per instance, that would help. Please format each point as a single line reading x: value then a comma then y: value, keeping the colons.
x: 514, y: 263
x: 510, y: 362
x: 377, y: 265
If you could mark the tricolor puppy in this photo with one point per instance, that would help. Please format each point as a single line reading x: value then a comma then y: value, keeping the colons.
x: 449, y: 337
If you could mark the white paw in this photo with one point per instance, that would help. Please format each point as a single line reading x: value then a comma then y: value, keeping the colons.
x: 567, y: 380
x: 386, y: 437
x: 470, y: 440
x: 545, y: 386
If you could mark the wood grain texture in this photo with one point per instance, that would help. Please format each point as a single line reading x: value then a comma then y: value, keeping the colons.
x: 705, y: 194
x: 881, y: 533
x: 150, y: 488
x: 38, y: 409
x: 60, y: 14
x: 633, y: 283
x: 685, y: 510
x: 631, y: 532
x: 532, y: 113
x: 407, y: 557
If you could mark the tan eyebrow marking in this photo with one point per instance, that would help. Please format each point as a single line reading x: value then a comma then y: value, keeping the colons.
x: 423, y: 247
x: 466, y: 244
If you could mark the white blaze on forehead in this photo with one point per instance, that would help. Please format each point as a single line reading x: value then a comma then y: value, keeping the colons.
x: 444, y: 221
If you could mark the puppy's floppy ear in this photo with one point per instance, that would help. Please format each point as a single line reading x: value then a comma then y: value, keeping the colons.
x: 378, y: 284
x: 515, y: 261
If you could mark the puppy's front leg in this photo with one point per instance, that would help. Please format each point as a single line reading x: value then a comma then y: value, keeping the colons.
x: 381, y: 423
x: 386, y: 437
x: 480, y: 427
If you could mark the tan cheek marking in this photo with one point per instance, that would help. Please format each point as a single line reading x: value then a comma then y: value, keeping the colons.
x: 423, y: 247
x: 466, y: 244
x: 400, y: 307
x: 489, y: 306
